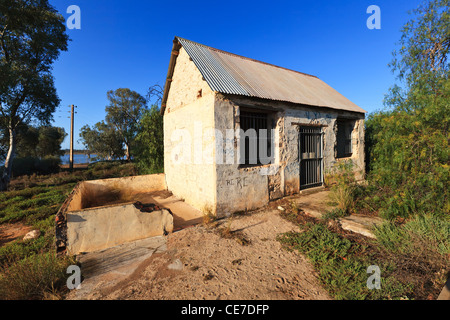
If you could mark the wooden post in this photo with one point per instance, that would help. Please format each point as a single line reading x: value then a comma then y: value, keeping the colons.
x: 71, y: 137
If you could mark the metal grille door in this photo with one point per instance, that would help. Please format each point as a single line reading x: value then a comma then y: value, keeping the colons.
x: 311, y: 157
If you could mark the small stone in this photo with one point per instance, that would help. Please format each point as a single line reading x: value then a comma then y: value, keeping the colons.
x: 280, y: 208
x: 176, y: 265
x: 32, y: 235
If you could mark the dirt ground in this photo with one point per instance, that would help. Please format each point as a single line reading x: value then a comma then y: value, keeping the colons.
x: 10, y: 232
x: 246, y: 263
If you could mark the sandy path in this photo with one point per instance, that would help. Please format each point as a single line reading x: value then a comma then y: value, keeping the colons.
x: 214, y: 267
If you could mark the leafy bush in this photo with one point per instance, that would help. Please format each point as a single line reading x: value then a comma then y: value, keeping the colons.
x: 409, y: 163
x: 33, y: 165
x: 149, y: 143
x: 408, y: 152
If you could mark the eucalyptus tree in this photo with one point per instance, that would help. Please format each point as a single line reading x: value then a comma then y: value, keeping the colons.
x: 123, y: 113
x: 32, y: 36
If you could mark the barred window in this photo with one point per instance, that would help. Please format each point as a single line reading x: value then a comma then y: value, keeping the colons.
x: 256, y: 146
x: 344, y: 138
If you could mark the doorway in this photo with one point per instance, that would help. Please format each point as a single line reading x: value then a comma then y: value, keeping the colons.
x: 311, y: 157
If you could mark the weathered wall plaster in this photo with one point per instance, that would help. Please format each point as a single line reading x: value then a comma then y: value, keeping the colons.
x: 226, y: 187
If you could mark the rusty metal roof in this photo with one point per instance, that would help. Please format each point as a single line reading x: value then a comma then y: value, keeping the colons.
x: 233, y: 74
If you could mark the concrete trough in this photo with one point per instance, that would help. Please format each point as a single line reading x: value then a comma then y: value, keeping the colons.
x: 102, y: 214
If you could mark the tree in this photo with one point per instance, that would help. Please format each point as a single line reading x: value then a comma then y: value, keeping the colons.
x: 32, y: 35
x: 102, y: 140
x: 409, y: 140
x: 49, y: 141
x: 27, y: 141
x: 40, y: 142
x: 149, y: 150
x: 123, y: 113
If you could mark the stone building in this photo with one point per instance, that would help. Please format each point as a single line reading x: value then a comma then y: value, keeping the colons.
x: 240, y: 132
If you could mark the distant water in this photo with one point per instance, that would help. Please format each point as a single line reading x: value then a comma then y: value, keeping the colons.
x: 77, y: 159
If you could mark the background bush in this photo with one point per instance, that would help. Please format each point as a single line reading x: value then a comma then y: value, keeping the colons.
x: 34, y: 165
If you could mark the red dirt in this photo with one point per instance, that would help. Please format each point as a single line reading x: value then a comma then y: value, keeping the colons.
x: 11, y: 232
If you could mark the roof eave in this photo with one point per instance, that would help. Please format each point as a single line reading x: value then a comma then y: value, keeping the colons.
x: 173, y: 59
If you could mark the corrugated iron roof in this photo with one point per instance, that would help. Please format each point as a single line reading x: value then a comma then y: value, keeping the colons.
x: 233, y: 74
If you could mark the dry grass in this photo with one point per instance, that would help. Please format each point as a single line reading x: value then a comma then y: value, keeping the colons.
x: 41, y: 276
x: 342, y: 196
x: 227, y: 233
x: 208, y: 216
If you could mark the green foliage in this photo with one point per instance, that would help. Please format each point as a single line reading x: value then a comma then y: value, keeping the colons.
x: 115, y: 137
x: 102, y: 140
x: 18, y: 250
x: 342, y: 265
x: 32, y: 35
x: 334, y: 214
x: 43, y: 141
x: 49, y: 143
x: 408, y: 143
x: 36, y: 204
x: 124, y: 112
x: 149, y: 145
x: 422, y: 236
x: 33, y: 165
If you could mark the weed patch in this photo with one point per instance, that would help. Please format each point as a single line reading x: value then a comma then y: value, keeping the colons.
x: 342, y: 264
x: 36, y: 277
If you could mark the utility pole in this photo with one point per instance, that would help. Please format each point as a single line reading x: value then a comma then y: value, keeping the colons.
x: 72, y: 112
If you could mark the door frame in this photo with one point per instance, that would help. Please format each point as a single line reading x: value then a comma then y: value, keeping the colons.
x: 312, y: 136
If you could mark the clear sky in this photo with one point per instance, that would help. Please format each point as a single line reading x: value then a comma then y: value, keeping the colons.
x: 127, y: 44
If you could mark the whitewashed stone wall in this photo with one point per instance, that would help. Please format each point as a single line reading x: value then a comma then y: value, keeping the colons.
x: 187, y: 175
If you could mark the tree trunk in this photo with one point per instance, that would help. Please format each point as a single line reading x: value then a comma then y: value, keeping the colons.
x: 6, y: 175
x: 127, y: 152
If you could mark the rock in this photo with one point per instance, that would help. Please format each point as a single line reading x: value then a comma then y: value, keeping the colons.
x: 176, y: 265
x: 280, y: 208
x: 32, y: 235
x: 445, y: 293
x: 360, y: 224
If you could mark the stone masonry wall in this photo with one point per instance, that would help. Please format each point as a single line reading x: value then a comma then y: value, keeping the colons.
x: 244, y: 188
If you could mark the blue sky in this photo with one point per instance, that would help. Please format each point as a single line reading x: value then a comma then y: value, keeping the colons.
x: 127, y: 44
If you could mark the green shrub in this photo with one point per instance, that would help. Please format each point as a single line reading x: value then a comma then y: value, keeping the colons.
x: 407, y: 143
x: 15, y: 251
x: 342, y: 264
x: 33, y: 165
x: 149, y: 143
x: 425, y: 235
x: 342, y: 192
